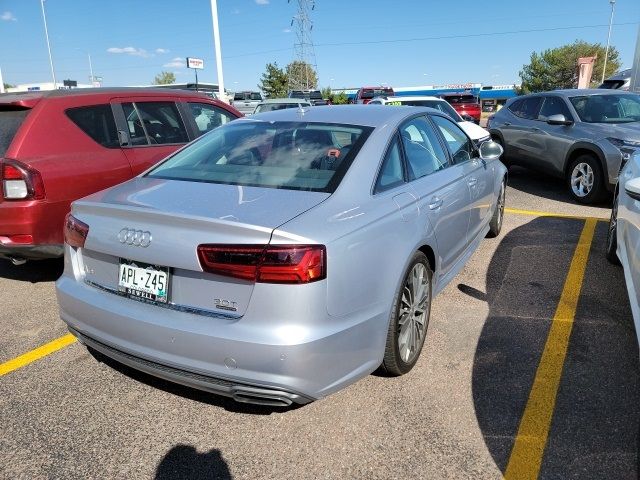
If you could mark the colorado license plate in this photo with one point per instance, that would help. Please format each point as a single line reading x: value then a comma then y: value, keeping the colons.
x: 143, y: 281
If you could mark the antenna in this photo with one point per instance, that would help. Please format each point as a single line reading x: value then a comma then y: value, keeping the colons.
x: 303, y: 49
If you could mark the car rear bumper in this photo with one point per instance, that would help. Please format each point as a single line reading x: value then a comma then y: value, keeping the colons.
x: 30, y: 252
x: 232, y: 357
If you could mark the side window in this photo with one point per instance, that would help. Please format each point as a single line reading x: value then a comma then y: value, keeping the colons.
x: 208, y: 117
x: 422, y: 148
x: 97, y: 122
x: 391, y: 174
x: 529, y: 108
x: 154, y: 123
x: 553, y: 106
x: 460, y: 146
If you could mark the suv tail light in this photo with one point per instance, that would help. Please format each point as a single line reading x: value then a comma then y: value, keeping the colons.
x: 266, y: 263
x: 20, y: 182
x: 75, y: 231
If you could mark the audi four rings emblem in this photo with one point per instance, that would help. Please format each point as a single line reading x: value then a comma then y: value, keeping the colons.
x: 137, y: 238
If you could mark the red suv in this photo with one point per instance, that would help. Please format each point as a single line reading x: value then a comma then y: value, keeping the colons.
x: 58, y: 146
x: 466, y: 104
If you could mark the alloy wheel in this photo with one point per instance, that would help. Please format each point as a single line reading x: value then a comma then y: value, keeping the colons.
x: 582, y: 179
x: 412, y: 315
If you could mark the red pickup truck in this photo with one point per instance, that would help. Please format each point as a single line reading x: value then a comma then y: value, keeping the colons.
x: 466, y: 104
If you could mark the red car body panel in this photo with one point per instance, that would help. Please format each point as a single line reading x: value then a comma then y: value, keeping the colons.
x: 469, y: 107
x: 72, y: 164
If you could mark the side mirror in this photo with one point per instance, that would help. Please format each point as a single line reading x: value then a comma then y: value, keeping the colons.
x: 558, y: 119
x: 468, y: 117
x: 490, y: 150
x: 123, y: 138
x: 632, y: 187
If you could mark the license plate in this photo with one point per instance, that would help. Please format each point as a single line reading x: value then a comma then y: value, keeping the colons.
x: 143, y: 281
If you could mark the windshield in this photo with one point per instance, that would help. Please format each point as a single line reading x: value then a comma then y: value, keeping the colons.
x: 444, y: 107
x: 457, y: 99
x: 376, y: 92
x: 607, y: 108
x: 289, y: 155
x: 10, y: 121
x: 270, y: 107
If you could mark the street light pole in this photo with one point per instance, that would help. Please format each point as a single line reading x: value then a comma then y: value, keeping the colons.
x: 92, y: 78
x: 46, y: 34
x: 216, y: 39
x: 606, y: 53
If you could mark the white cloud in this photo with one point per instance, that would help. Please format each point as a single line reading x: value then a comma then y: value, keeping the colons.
x: 262, y: 2
x: 286, y: 30
x: 8, y: 17
x: 160, y: 51
x: 176, y: 62
x: 136, y: 52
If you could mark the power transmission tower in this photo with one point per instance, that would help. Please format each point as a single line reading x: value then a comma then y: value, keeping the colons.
x: 303, y: 50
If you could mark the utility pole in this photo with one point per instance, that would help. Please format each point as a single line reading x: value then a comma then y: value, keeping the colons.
x: 606, y: 52
x: 91, y: 77
x: 46, y: 34
x: 304, y: 51
x: 216, y: 40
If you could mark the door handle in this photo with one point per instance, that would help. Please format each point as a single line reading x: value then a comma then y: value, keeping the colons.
x: 472, y: 182
x: 436, y: 203
x: 535, y: 129
x: 506, y: 124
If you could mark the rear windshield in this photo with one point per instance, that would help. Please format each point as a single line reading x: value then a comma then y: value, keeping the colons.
x: 612, y: 84
x: 612, y: 108
x: 270, y: 107
x: 288, y: 155
x: 376, y: 92
x: 457, y: 99
x: 10, y: 121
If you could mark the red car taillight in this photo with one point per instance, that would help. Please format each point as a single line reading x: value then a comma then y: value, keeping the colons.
x: 75, y: 231
x: 266, y: 263
x: 20, y: 182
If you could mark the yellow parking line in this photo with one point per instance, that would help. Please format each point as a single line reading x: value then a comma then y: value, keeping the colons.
x: 528, y: 448
x: 536, y: 213
x: 36, y: 354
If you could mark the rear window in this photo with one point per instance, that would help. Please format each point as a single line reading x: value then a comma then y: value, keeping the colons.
x: 256, y: 96
x: 97, y: 122
x: 270, y: 107
x: 376, y: 92
x: 288, y: 155
x: 10, y: 121
x: 459, y: 99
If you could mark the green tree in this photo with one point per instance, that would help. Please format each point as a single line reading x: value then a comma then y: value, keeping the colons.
x: 301, y: 76
x: 8, y: 85
x: 327, y: 94
x: 340, y: 99
x: 558, y: 67
x: 273, y: 82
x: 164, y: 78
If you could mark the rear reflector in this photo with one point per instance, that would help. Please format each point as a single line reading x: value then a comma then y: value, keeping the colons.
x: 75, y: 231
x: 266, y: 263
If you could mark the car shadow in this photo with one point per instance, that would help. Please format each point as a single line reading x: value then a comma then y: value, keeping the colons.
x: 184, y: 462
x: 189, y: 393
x: 33, y: 271
x: 546, y: 186
x: 595, y: 425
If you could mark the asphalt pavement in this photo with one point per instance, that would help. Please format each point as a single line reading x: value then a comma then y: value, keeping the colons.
x: 456, y: 415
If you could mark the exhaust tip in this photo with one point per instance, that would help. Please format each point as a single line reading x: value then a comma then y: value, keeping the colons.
x: 18, y: 260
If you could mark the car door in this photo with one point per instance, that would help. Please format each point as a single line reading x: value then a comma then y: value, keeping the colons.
x: 550, y: 144
x: 526, y: 123
x: 477, y: 173
x: 150, y: 129
x: 442, y: 196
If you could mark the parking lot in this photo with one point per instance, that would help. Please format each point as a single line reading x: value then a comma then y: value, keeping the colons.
x: 492, y: 384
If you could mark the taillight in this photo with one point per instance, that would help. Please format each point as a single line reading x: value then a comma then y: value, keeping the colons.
x: 75, y: 231
x: 20, y: 182
x: 266, y: 263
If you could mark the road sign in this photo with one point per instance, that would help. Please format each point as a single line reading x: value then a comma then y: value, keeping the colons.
x: 195, y: 63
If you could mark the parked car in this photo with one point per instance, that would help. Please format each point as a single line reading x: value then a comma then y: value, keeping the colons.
x: 61, y: 145
x: 578, y: 135
x: 619, y: 81
x: 280, y: 104
x: 466, y: 104
x: 312, y: 96
x: 280, y: 258
x: 623, y: 235
x: 366, y: 94
x: 475, y: 132
x: 246, y: 102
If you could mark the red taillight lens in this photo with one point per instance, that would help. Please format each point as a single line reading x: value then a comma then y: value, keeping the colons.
x: 266, y: 263
x: 75, y: 231
x: 20, y: 182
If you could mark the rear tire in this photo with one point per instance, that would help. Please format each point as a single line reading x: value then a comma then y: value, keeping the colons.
x: 612, y: 234
x: 409, y: 317
x: 585, y: 179
x: 495, y: 225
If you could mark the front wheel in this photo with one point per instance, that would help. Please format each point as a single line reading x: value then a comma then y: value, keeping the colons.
x: 495, y: 225
x: 612, y: 234
x: 409, y: 317
x: 585, y: 179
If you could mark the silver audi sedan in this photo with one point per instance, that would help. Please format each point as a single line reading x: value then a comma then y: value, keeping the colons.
x: 282, y: 257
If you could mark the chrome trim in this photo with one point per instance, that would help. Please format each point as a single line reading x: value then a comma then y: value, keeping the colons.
x: 170, y: 306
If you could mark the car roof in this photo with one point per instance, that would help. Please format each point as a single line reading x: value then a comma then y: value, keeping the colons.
x: 284, y: 100
x: 577, y: 92
x: 365, y: 115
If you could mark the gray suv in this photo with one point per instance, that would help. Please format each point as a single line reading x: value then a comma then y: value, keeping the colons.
x: 579, y: 135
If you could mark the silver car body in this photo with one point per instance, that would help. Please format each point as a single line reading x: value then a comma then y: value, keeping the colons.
x: 280, y: 104
x: 534, y: 143
x: 628, y: 234
x: 283, y: 343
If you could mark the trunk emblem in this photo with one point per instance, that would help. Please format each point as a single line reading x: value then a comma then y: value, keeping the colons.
x: 137, y: 238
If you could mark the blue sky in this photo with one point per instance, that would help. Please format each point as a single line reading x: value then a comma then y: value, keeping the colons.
x: 358, y: 42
